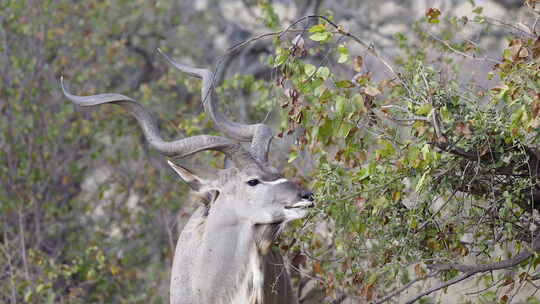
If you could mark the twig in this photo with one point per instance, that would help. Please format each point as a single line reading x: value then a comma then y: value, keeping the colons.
x: 405, y: 287
x: 239, y: 45
x: 483, y: 289
x: 5, y: 249
x: 470, y: 270
x: 441, y: 286
x: 506, y: 24
x: 23, y: 244
x: 485, y: 58
x: 370, y: 48
x: 518, y: 259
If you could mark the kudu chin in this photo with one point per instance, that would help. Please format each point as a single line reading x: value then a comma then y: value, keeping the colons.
x: 224, y: 254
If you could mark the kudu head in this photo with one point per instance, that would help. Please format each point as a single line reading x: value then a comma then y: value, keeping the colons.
x: 250, y: 190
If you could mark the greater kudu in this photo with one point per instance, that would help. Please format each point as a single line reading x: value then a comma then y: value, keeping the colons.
x: 225, y: 254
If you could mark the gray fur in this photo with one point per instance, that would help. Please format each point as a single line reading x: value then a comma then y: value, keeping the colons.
x: 226, y: 256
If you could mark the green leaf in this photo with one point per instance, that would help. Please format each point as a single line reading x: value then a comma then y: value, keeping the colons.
x: 320, y: 37
x: 421, y: 182
x: 318, y: 28
x: 424, y: 109
x: 309, y: 69
x: 363, y: 174
x: 340, y: 105
x: 292, y: 156
x: 426, y: 152
x: 325, y: 95
x: 323, y: 72
x: 478, y: 10
x: 344, y: 84
x: 344, y: 129
x: 325, y: 130
x: 280, y: 59
x: 343, y: 58
x: 507, y: 54
x: 343, y: 54
x: 386, y: 149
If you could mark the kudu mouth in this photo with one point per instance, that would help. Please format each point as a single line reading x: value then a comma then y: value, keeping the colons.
x: 303, y: 204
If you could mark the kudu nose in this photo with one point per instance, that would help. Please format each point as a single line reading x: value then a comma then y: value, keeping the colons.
x: 308, y: 196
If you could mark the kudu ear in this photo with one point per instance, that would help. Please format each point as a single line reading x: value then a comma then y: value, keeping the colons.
x: 203, y: 188
x: 196, y: 183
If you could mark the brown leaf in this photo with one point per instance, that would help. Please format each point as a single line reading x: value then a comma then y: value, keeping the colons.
x: 508, y: 281
x: 420, y: 272
x: 385, y: 83
x: 317, y: 268
x: 498, y: 88
x: 372, y: 91
x: 523, y: 53
x: 358, y: 278
x: 535, y: 108
x: 516, y: 42
x: 396, y: 195
x: 433, y: 13
x: 339, y: 155
x: 368, y: 291
x: 464, y: 129
x: 515, y: 50
x: 463, y: 250
x: 469, y: 46
x: 531, y: 3
x: 298, y: 260
x: 75, y: 292
x: 298, y: 41
x: 362, y: 78
x: 358, y: 61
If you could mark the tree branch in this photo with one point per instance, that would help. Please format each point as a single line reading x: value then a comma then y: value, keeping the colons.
x: 470, y: 270
x: 405, y: 287
x: 516, y: 260
x: 441, y: 286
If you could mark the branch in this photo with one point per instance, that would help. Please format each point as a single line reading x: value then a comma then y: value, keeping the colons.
x: 451, y: 48
x: 407, y: 286
x: 440, y: 286
x: 370, y: 48
x: 452, y: 149
x: 470, y: 270
x: 516, y: 260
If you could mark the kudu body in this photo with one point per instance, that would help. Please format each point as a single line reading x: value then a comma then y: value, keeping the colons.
x: 224, y: 254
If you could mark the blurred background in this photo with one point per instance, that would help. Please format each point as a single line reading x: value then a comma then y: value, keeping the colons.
x: 88, y: 214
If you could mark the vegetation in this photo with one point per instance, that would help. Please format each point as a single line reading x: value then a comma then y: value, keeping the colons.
x: 422, y: 147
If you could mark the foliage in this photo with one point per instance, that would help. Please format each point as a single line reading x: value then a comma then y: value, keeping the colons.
x: 64, y: 239
x: 417, y: 169
x: 421, y: 170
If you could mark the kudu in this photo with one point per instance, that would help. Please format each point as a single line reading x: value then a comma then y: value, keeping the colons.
x: 224, y: 254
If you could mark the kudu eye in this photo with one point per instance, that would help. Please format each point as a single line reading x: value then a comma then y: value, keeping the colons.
x: 253, y: 182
